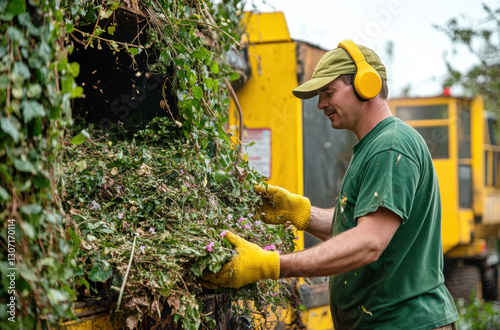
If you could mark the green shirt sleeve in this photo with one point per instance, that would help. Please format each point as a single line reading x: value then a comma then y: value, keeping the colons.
x: 388, y: 179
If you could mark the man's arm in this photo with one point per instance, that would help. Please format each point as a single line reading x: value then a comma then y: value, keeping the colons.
x: 320, y: 223
x: 350, y: 250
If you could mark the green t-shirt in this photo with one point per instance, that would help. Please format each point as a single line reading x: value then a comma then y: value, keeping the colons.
x: 404, y: 289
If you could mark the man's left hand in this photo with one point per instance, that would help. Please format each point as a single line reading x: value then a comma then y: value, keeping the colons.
x: 250, y: 264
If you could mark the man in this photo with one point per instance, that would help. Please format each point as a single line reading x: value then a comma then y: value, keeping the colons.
x: 383, y: 248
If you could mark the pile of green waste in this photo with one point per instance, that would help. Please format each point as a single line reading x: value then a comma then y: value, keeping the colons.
x: 170, y: 203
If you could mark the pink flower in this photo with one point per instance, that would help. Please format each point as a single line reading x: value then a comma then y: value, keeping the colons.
x: 250, y: 215
x: 229, y: 217
x: 241, y: 220
x: 224, y: 232
x: 247, y: 226
x: 209, y: 247
x: 257, y: 223
x: 270, y: 247
x: 296, y: 238
x: 94, y: 205
x: 182, y: 172
x: 142, y: 247
x: 152, y: 230
x: 187, y: 185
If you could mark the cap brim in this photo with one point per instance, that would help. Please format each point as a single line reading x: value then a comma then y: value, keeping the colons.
x: 310, y: 88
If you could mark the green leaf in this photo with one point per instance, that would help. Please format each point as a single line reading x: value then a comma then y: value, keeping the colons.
x: 234, y: 76
x: 74, y: 68
x: 221, y: 176
x: 31, y: 109
x: 133, y: 51
x: 15, y: 34
x: 24, y: 165
x: 214, y: 67
x: 67, y: 83
x: 106, y: 14
x: 13, y: 8
x: 31, y: 209
x: 76, y: 92
x: 4, y: 195
x: 197, y: 92
x: 83, y: 281
x: 4, y: 81
x: 41, y: 182
x: 34, y: 91
x: 100, y: 272
x: 80, y: 138
x: 56, y: 296
x: 111, y: 29
x: 80, y: 165
x: 9, y: 128
x: 28, y: 229
x: 27, y: 273
x: 76, y: 242
x: 69, y: 27
x: 22, y: 70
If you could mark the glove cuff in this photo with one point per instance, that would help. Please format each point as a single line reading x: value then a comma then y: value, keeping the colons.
x: 302, y: 212
x: 271, y: 269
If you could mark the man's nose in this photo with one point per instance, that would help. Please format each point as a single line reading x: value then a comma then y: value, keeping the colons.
x: 322, y: 103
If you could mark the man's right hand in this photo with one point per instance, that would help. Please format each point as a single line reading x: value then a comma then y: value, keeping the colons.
x: 280, y: 206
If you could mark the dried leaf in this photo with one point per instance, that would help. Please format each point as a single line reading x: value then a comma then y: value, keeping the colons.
x: 174, y: 302
x: 132, y: 322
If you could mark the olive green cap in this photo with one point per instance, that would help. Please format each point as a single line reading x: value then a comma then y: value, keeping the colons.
x: 333, y: 64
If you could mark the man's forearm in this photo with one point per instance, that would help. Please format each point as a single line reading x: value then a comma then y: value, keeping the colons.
x: 349, y: 250
x: 320, y: 223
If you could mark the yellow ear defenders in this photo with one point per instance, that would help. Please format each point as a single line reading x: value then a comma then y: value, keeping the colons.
x: 367, y: 81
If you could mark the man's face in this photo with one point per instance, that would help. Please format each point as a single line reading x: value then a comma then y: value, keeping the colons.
x: 340, y: 105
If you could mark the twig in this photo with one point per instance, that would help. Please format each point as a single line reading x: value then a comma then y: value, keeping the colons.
x: 126, y: 275
x: 106, y: 40
x: 95, y: 26
x: 211, y: 25
x: 240, y: 113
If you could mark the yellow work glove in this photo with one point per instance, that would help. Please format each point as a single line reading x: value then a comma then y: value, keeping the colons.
x: 280, y: 206
x: 250, y: 264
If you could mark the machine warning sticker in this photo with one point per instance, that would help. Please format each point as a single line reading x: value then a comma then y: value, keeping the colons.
x: 259, y: 153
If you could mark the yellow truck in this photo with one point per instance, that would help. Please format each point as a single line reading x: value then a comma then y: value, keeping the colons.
x: 295, y: 147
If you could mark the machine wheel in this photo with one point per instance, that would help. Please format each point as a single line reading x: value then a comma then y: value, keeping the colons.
x: 463, y: 280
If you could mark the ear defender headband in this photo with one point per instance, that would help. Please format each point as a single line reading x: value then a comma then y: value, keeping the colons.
x: 367, y: 81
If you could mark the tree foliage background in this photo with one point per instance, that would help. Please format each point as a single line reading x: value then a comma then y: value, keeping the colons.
x: 480, y: 37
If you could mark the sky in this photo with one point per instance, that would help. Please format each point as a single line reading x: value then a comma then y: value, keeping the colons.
x: 418, y: 48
